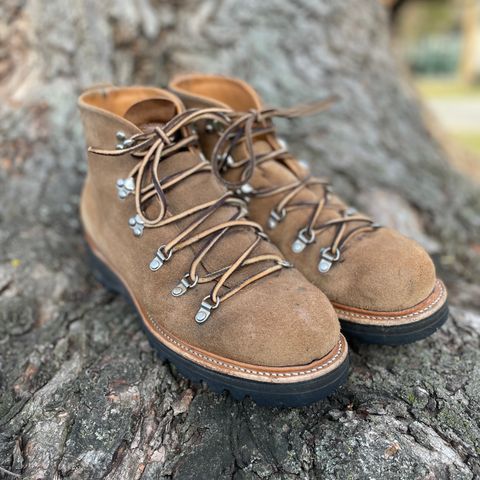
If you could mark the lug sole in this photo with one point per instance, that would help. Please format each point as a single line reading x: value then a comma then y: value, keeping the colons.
x: 293, y: 394
x: 396, y: 334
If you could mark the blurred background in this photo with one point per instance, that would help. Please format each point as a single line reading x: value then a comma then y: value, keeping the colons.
x: 81, y: 395
x: 439, y: 41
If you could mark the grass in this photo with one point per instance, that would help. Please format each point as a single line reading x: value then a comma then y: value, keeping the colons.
x: 445, y: 88
x: 471, y: 140
x: 452, y: 89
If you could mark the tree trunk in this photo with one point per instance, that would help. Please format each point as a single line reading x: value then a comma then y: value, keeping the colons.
x: 82, y: 394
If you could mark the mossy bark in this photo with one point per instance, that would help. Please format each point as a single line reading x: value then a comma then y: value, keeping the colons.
x: 82, y: 394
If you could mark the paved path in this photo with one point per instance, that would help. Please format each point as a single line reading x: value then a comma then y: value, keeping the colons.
x: 458, y: 114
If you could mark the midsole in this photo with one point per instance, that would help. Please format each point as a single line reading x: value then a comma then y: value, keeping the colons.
x: 226, y: 366
x: 438, y: 318
x: 425, y: 309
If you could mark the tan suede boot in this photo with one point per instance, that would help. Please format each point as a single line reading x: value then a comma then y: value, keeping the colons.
x: 214, y: 297
x: 382, y: 285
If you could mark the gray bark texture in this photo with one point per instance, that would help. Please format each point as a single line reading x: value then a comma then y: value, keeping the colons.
x: 82, y: 393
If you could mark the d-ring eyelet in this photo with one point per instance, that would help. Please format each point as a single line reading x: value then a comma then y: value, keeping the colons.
x: 160, y: 258
x: 276, y: 217
x: 206, y: 309
x: 185, y: 283
x: 303, y: 240
x: 327, y: 259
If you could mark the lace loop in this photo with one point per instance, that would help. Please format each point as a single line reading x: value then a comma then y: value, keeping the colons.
x: 244, y: 128
x: 153, y: 146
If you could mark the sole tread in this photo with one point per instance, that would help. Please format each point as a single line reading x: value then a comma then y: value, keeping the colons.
x: 396, y: 334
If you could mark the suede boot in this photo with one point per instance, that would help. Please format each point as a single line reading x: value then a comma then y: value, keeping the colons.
x: 214, y: 297
x: 383, y: 285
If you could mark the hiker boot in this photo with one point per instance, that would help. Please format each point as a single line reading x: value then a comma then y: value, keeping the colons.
x: 214, y: 297
x: 383, y: 285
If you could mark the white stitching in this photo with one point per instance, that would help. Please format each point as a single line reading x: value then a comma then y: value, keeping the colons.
x: 241, y: 369
x: 235, y: 367
x: 407, y: 315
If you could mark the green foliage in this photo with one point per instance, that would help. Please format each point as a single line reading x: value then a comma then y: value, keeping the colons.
x: 429, y: 33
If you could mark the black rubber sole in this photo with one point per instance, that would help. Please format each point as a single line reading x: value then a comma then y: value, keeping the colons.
x: 296, y: 394
x: 397, y: 334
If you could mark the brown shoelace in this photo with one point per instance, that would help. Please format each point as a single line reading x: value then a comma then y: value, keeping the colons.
x: 144, y: 182
x: 246, y: 127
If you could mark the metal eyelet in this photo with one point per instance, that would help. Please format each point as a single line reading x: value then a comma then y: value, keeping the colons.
x: 327, y: 259
x: 244, y: 192
x: 304, y: 163
x: 184, y: 284
x: 263, y: 236
x: 246, y: 189
x: 160, y: 258
x: 209, y: 128
x: 275, y: 218
x: 282, y: 142
x: 303, y: 240
x: 227, y: 162
x: 121, y: 137
x: 212, y: 126
x: 348, y: 212
x: 123, y: 141
x: 125, y: 187
x: 137, y: 225
x: 205, y: 309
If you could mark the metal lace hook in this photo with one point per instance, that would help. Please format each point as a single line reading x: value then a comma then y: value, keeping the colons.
x: 303, y: 240
x: 275, y: 218
x: 327, y: 258
x: 160, y: 258
x: 184, y: 284
x: 206, y: 308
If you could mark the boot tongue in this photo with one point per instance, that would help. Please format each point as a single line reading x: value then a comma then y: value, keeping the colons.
x: 155, y: 112
x: 151, y: 112
x: 146, y: 114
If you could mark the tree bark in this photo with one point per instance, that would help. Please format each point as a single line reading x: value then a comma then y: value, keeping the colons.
x: 82, y: 394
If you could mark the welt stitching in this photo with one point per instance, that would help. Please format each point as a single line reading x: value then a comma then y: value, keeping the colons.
x: 241, y: 369
x: 396, y: 317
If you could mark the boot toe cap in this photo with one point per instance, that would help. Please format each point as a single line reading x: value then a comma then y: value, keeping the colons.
x: 383, y: 272
x: 285, y: 321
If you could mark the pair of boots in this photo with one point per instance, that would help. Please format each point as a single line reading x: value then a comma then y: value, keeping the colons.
x: 238, y: 261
